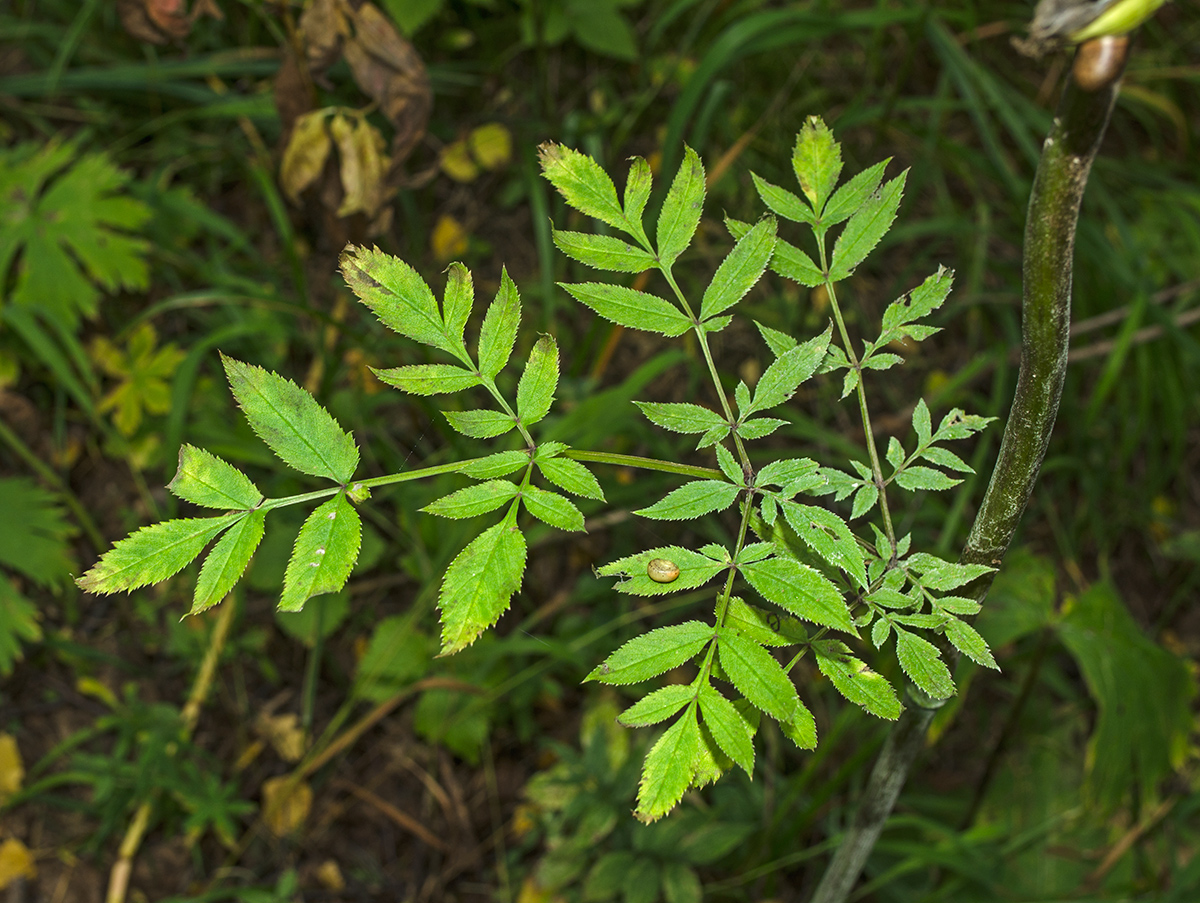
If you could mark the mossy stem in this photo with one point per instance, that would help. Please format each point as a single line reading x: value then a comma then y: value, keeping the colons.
x: 1053, y: 216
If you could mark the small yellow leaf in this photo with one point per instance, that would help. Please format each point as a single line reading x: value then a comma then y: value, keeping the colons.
x: 305, y: 155
x: 284, y: 811
x: 283, y: 733
x: 456, y: 162
x: 491, y: 145
x: 12, y: 772
x: 15, y: 862
x: 531, y: 893
x: 363, y: 165
x: 329, y: 874
x: 449, y: 239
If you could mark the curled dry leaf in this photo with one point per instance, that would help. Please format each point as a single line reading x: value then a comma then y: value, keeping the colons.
x: 305, y: 155
x: 363, y: 165
x: 285, y: 805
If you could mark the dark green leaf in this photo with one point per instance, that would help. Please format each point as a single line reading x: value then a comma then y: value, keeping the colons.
x: 922, y: 663
x: 788, y: 371
x: 628, y: 307
x: 729, y: 728
x: 817, y: 161
x: 847, y: 200
x: 667, y: 771
x: 499, y: 329
x: 653, y: 653
x: 324, y: 554
x: 428, y: 379
x: 35, y: 537
x: 228, y: 561
x: 481, y: 424
x: 204, y: 479
x: 782, y: 202
x: 757, y: 675
x: 501, y: 464
x: 693, y: 500
x: 474, y: 500
x: 153, y: 554
x: 801, y: 590
x: 604, y: 252
x: 535, y: 391
x: 682, y: 209
x: 865, y: 228
x: 681, y: 417
x: 582, y: 182
x: 397, y: 294
x: 767, y: 628
x: 571, y: 476
x: 479, y: 584
x: 18, y: 623
x: 658, y: 706
x: 681, y: 884
x: 741, y: 270
x: 694, y: 570
x: 856, y: 681
x: 297, y: 429
x: 551, y: 508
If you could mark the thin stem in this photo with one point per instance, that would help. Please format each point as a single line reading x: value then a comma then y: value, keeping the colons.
x: 868, y: 433
x: 686, y: 470
x: 1058, y: 187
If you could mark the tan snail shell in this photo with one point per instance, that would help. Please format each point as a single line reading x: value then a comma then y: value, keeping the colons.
x: 660, y: 570
x: 1100, y: 61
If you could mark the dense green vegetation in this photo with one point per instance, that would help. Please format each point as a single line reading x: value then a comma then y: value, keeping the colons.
x: 171, y: 187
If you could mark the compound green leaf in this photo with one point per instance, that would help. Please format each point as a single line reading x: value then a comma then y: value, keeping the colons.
x: 817, y: 161
x: 227, y: 561
x: 910, y: 307
x: 939, y: 574
x: 802, y: 729
x: 922, y: 425
x: 629, y: 307
x: 829, y: 536
x: 782, y: 202
x: 681, y: 417
x: 788, y: 371
x: 667, y: 771
x: 501, y: 464
x: 428, y: 379
x: 693, y: 500
x: 551, y: 508
x: 866, y: 228
x: 947, y: 459
x: 474, y: 500
x: 324, y: 554
x: 968, y: 641
x: 480, y: 583
x: 481, y: 424
x: 777, y: 341
x: 456, y: 305
x: 850, y: 197
x: 582, y: 182
x: 757, y: 676
x: 682, y: 209
x: 915, y: 477
x: 728, y: 727
x: 604, y: 252
x: 694, y: 570
x: 653, y: 653
x: 801, y: 590
x: 923, y: 664
x: 767, y: 628
x: 499, y: 330
x: 658, y: 706
x: 856, y: 681
x: 637, y: 193
x: 153, y: 553
x: 571, y: 476
x: 740, y: 270
x: 299, y: 431
x: 204, y: 479
x: 398, y: 296
x: 535, y: 391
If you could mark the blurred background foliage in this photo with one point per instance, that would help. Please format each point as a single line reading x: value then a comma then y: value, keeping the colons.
x: 178, y: 178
